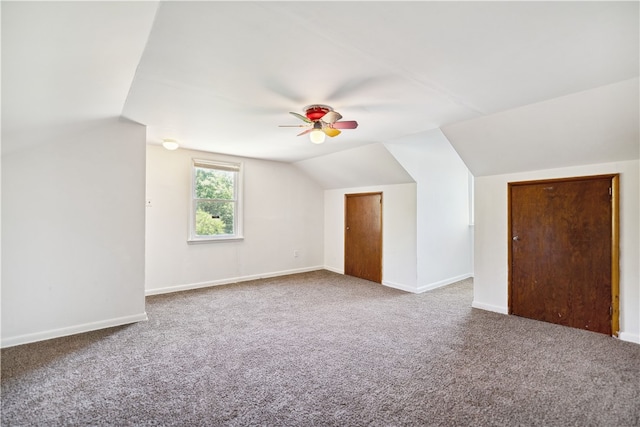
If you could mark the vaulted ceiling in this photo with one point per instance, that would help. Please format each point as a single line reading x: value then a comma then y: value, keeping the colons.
x: 509, y: 83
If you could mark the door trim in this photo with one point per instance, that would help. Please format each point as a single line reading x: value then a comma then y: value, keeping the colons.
x: 615, y: 255
x: 615, y: 241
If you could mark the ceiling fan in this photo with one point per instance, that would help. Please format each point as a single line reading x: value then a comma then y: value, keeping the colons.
x: 321, y: 120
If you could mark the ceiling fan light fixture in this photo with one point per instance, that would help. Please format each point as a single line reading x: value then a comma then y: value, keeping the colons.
x: 321, y: 121
x: 317, y: 136
x: 316, y: 111
x: 170, y: 144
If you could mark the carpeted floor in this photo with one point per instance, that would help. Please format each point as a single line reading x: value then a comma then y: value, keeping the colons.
x: 322, y: 349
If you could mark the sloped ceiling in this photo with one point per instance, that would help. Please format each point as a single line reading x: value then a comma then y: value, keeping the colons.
x: 67, y: 66
x: 221, y: 76
x: 370, y: 164
x: 596, y: 126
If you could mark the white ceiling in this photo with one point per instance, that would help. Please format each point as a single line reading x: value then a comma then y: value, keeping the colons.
x: 600, y: 125
x: 221, y: 76
x: 374, y: 166
x: 64, y: 64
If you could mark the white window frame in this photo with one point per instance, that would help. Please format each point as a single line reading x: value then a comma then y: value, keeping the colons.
x: 238, y: 200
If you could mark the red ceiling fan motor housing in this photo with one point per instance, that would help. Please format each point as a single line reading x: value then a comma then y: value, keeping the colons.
x: 316, y: 112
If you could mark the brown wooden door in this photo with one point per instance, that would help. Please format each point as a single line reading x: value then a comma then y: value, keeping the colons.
x: 363, y: 236
x: 561, y: 252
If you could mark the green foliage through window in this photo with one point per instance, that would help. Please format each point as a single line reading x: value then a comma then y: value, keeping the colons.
x: 207, y: 225
x: 215, y: 199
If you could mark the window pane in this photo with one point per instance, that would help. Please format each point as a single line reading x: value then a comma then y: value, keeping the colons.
x: 216, y: 206
x: 214, y: 218
x: 214, y: 184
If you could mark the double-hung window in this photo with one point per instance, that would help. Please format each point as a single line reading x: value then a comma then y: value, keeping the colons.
x: 216, y: 201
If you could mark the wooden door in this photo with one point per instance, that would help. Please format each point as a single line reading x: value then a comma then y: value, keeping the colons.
x: 363, y: 236
x: 561, y: 252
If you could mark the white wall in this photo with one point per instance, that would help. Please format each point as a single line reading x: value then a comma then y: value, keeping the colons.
x: 73, y: 233
x: 283, y: 212
x: 444, y: 234
x: 398, y: 232
x: 491, y: 270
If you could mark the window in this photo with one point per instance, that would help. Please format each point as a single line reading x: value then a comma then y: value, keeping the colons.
x: 216, y: 205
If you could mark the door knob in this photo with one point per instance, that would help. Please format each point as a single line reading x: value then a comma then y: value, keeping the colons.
x: 516, y: 238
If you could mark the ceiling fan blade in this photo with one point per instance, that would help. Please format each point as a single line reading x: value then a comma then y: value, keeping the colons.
x: 331, y: 117
x: 293, y: 126
x: 347, y: 124
x: 331, y: 132
x: 300, y: 116
x: 304, y: 132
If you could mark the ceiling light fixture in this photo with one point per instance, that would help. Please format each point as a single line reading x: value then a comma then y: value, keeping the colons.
x: 321, y: 120
x: 170, y: 144
x: 317, y: 134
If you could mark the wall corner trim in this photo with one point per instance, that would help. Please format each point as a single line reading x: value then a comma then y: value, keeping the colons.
x: 441, y: 283
x: 489, y: 307
x: 400, y: 286
x: 424, y: 288
x: 335, y: 270
x: 72, y: 330
x: 626, y: 336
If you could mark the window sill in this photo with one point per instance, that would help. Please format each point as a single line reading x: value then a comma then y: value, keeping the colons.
x: 215, y: 240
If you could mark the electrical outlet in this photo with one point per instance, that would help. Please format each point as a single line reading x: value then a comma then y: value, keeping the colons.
x: 295, y: 253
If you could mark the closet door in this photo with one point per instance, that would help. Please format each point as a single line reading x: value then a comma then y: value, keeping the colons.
x: 561, y: 252
x: 363, y: 236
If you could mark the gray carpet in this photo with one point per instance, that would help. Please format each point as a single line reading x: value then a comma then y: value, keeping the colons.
x: 318, y: 349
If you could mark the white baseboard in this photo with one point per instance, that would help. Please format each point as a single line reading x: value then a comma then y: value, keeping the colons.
x: 489, y: 307
x: 441, y: 283
x: 625, y: 336
x: 335, y: 270
x: 189, y: 286
x: 72, y: 330
x: 400, y: 286
x: 417, y: 289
